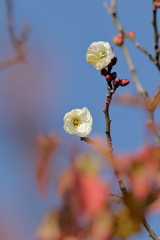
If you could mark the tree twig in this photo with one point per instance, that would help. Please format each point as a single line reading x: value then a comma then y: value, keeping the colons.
x: 112, y: 11
x: 151, y: 123
x: 109, y: 141
x: 142, y: 49
x: 113, y: 14
x: 151, y: 233
x: 98, y: 147
x: 156, y: 34
x: 17, y: 43
x: 12, y: 61
x: 115, y: 195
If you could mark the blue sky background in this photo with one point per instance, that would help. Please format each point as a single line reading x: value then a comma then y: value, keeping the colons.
x: 35, y: 96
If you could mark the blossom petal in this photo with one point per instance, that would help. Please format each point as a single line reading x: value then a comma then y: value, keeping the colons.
x: 84, y: 119
x: 99, y: 54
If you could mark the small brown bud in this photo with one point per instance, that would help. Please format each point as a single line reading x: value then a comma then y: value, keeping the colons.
x: 108, y: 77
x: 124, y: 82
x: 104, y: 72
x: 113, y: 75
x: 118, y: 40
x: 116, y: 82
x: 113, y: 61
x: 131, y: 34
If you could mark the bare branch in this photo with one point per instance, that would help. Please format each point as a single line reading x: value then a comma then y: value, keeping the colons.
x: 112, y: 11
x: 150, y: 231
x: 156, y: 34
x: 113, y: 14
x: 136, y: 43
x: 116, y: 195
x: 151, y: 122
x: 17, y: 43
x: 13, y: 61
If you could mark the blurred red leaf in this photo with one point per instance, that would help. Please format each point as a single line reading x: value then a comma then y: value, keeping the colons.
x: 133, y: 100
x: 141, y: 170
x: 83, y: 187
x: 46, y: 146
x: 92, y: 194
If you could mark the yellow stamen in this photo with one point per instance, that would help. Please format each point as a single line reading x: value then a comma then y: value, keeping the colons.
x: 76, y: 122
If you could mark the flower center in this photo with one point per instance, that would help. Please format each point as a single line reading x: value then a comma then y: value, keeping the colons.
x: 76, y: 122
x: 103, y: 54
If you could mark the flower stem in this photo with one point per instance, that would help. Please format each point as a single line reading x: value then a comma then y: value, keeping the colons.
x: 151, y: 122
x: 156, y: 35
x: 108, y: 122
x: 109, y: 141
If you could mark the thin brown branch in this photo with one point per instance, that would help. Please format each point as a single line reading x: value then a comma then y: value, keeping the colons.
x: 112, y: 11
x: 156, y: 34
x: 151, y: 123
x: 155, y: 101
x: 20, y: 57
x: 98, y: 147
x: 115, y: 195
x: 142, y: 49
x: 18, y: 43
x: 114, y: 4
x: 108, y: 121
x: 10, y: 23
x: 87, y: 140
x: 151, y: 107
x: 113, y: 14
x: 133, y: 72
x: 150, y: 231
x: 115, y: 198
x: 110, y: 147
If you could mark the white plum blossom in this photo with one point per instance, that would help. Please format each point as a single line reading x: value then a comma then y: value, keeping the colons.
x: 100, y: 54
x: 78, y: 122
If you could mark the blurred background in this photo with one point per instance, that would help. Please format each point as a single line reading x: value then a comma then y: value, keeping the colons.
x: 35, y: 95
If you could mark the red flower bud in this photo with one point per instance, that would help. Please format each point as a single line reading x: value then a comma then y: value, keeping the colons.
x: 131, y: 34
x: 113, y: 75
x: 116, y: 82
x: 124, y: 82
x: 113, y: 62
x: 108, y: 77
x: 118, y: 40
x: 157, y: 4
x: 104, y: 72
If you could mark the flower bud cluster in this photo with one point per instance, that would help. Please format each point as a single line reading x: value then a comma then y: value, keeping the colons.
x: 112, y: 77
x: 119, y: 39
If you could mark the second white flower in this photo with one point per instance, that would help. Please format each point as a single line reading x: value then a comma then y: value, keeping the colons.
x: 78, y: 122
